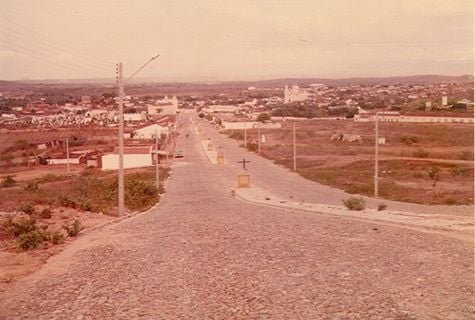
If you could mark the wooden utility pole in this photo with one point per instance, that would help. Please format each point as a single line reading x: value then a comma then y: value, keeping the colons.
x: 245, y: 135
x: 67, y: 153
x: 376, y: 154
x: 258, y: 140
x: 295, y: 148
x: 121, y: 142
x: 157, y: 169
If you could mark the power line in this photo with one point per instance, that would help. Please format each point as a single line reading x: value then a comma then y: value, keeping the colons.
x: 48, y: 48
x: 63, y: 46
x: 44, y: 57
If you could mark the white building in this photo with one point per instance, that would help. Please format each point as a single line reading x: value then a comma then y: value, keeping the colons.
x: 220, y: 108
x: 134, y: 157
x: 134, y: 117
x: 164, y: 106
x: 149, y: 132
x: 295, y: 94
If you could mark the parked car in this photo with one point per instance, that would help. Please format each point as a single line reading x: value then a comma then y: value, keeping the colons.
x: 178, y: 154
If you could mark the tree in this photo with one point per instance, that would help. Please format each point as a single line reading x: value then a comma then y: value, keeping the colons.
x: 263, y: 117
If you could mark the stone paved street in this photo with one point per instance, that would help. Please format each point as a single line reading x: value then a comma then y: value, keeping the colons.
x: 202, y: 254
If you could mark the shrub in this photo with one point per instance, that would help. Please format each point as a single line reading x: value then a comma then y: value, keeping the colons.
x: 434, y: 174
x: 450, y: 201
x: 251, y: 146
x: 355, y: 203
x: 263, y: 117
x: 28, y: 209
x: 460, y: 172
x: 57, y: 237
x: 139, y: 193
x: 7, y: 181
x: 382, y: 206
x: 21, y: 226
x: 65, y: 200
x: 73, y: 229
x: 409, y: 139
x: 31, y: 240
x: 46, y: 213
x: 32, y: 186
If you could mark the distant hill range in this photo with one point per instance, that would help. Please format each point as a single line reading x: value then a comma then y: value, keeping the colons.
x: 417, y: 79
x: 405, y: 80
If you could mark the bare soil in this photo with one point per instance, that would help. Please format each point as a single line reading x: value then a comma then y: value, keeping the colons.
x: 16, y: 263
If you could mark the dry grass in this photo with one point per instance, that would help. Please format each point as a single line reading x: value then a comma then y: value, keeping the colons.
x: 405, y: 160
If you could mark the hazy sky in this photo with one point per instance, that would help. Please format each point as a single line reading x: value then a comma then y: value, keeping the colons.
x: 235, y: 40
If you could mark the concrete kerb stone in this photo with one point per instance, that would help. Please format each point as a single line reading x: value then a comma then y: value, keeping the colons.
x: 211, y: 155
x: 370, y: 215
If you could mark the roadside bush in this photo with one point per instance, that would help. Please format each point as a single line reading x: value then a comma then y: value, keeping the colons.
x: 28, y: 209
x: 450, y: 201
x: 73, y: 229
x: 21, y: 226
x: 56, y: 237
x: 140, y: 194
x: 7, y: 182
x: 382, y: 206
x: 31, y: 240
x: 251, y: 146
x: 460, y: 172
x: 355, y: 203
x: 45, y: 213
x: 65, y: 200
x: 434, y: 175
x: 409, y: 140
x: 32, y: 186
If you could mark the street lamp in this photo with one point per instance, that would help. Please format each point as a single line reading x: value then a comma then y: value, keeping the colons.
x: 121, y: 131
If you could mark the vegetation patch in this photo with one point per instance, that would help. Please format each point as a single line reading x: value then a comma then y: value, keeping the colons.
x: 355, y: 203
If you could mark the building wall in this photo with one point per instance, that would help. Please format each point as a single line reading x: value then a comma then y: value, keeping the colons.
x: 149, y: 132
x: 238, y: 125
x: 111, y: 161
x: 415, y: 119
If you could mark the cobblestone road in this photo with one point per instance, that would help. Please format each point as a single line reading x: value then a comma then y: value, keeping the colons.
x: 201, y: 254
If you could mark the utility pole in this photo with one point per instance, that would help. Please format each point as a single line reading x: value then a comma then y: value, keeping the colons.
x: 67, y: 152
x: 157, y: 169
x: 295, y: 148
x: 245, y: 135
x: 121, y: 142
x: 259, y: 140
x: 121, y: 82
x: 376, y: 151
